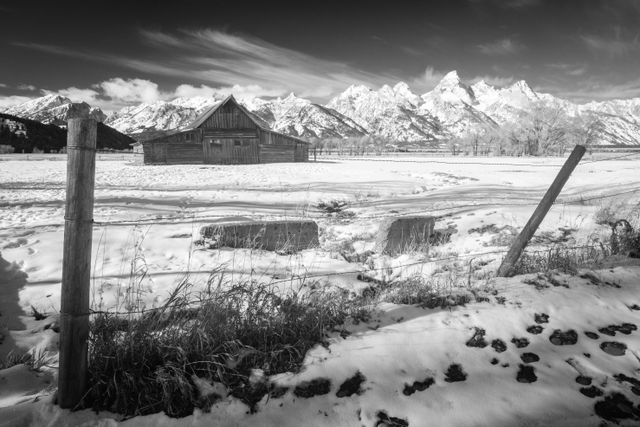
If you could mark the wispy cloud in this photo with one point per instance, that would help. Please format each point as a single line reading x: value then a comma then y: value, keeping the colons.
x: 3, y: 85
x: 23, y: 86
x: 494, y: 80
x: 504, y: 46
x: 593, y: 89
x: 9, y: 101
x: 225, y: 60
x: 611, y: 46
x: 574, y: 70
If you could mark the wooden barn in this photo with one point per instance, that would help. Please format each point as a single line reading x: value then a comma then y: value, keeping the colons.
x: 227, y: 133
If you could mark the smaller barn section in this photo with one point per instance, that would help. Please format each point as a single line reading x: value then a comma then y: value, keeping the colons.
x: 227, y: 133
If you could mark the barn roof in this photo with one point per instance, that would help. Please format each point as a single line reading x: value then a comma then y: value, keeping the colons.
x: 209, y: 111
x: 254, y: 118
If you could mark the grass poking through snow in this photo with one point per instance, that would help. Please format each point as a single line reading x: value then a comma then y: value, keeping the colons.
x: 227, y: 336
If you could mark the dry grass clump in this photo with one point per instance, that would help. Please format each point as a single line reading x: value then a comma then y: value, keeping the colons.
x: 219, y: 340
x: 560, y: 258
x: 419, y: 290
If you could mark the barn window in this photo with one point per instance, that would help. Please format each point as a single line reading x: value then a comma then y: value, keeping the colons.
x: 237, y: 143
x: 188, y: 137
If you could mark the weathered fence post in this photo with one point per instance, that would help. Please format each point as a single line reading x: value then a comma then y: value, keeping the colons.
x: 530, y: 228
x: 76, y: 261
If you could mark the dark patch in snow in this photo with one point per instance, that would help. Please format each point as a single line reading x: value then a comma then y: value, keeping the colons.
x: 592, y: 335
x: 583, y: 380
x: 569, y: 337
x: 587, y: 355
x: 591, y: 392
x: 624, y: 328
x: 529, y: 357
x: 477, y: 340
x: 385, y: 420
x: 627, y: 328
x: 541, y: 318
x: 498, y: 345
x: 278, y: 391
x: 501, y: 300
x: 494, y: 361
x: 418, y: 386
x: 614, y: 407
x: 315, y: 387
x: 526, y: 374
x: 351, y: 385
x: 455, y: 373
x: 614, y: 348
x: 520, y: 342
x: 634, y: 307
x: 505, y: 365
x: 635, y: 383
x: 535, y: 329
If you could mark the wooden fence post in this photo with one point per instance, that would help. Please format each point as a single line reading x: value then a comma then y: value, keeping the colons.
x: 516, y: 249
x: 76, y: 261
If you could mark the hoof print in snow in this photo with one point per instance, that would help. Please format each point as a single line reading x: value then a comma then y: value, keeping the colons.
x: 494, y: 361
x: 418, y: 386
x: 526, y: 374
x: 535, y: 329
x: 614, y: 407
x: 477, y: 340
x: 455, y: 373
x: 583, y: 380
x: 591, y: 392
x: 505, y: 365
x: 315, y: 387
x: 592, y: 335
x: 569, y: 337
x: 529, y: 357
x: 635, y: 383
x: 614, y: 348
x: 634, y: 307
x: 626, y: 328
x: 351, y: 385
x: 520, y: 342
x: 277, y: 392
x: 498, y: 345
x: 385, y: 420
x: 541, y: 318
x: 609, y: 330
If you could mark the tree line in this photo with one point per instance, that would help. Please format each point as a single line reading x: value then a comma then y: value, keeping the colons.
x: 541, y: 131
x: 49, y: 138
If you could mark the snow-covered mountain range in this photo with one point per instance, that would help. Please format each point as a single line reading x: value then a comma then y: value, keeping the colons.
x: 453, y: 108
x: 51, y: 109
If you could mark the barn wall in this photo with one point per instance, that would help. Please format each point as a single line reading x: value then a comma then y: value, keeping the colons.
x: 274, y: 153
x: 184, y: 153
x: 226, y: 151
x: 154, y: 152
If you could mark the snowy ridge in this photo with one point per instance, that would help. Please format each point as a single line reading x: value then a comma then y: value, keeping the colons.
x: 51, y: 109
x: 453, y: 108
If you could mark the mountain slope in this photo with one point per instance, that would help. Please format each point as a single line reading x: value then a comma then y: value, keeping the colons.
x: 51, y: 109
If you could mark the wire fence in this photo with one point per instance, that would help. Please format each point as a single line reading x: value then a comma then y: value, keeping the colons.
x: 319, y: 213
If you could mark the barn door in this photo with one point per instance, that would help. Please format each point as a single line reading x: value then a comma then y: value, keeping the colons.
x: 212, y: 150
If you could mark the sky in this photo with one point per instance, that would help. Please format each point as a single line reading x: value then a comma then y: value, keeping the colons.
x: 119, y: 53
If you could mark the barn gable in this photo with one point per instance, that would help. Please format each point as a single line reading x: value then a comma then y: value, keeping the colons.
x: 228, y: 114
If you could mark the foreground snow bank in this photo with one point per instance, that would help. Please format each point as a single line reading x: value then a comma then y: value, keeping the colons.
x: 531, y: 355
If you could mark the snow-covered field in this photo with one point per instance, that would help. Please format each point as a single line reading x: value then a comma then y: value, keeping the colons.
x: 154, y: 213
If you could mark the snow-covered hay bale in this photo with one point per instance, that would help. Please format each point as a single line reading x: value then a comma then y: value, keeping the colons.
x: 281, y: 236
x: 405, y: 234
